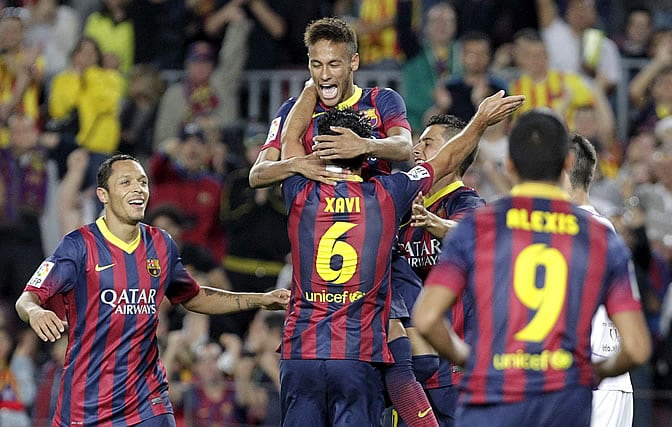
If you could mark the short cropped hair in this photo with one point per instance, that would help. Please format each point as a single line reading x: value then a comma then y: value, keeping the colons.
x: 350, y: 119
x: 105, y: 169
x: 453, y: 125
x: 582, y: 172
x: 538, y: 145
x: 333, y: 30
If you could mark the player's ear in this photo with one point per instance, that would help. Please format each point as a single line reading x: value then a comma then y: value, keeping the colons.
x: 354, y: 62
x: 102, y: 194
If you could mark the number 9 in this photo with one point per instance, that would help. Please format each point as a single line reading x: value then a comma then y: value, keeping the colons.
x: 547, y: 301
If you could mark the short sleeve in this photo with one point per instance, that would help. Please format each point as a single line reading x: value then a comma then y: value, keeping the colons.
x: 58, y: 273
x: 392, y: 110
x: 405, y: 186
x: 275, y: 128
x: 182, y: 286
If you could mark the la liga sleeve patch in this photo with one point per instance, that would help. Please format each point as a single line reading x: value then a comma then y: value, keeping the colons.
x: 41, y: 274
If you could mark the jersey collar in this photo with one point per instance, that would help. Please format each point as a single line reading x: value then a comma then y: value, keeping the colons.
x: 536, y: 189
x: 107, y: 234
x: 354, y: 98
x: 429, y: 201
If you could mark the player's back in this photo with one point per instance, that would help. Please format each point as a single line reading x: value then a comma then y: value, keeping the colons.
x: 541, y: 266
x: 341, y: 238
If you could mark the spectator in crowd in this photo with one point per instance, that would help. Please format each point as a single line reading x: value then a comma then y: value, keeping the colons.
x: 21, y: 70
x: 112, y: 29
x: 54, y: 28
x: 253, y: 219
x: 634, y: 42
x: 431, y: 54
x: 138, y: 111
x: 463, y: 91
x: 75, y: 204
x: 574, y: 45
x: 23, y: 193
x: 651, y: 89
x: 209, y: 84
x: 269, y: 28
x: 48, y: 382
x: 17, y: 378
x: 544, y: 86
x: 257, y: 371
x: 84, y: 104
x: 374, y: 23
x: 181, y: 176
x: 160, y: 32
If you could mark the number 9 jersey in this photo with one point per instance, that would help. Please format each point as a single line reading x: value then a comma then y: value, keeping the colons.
x: 535, y: 267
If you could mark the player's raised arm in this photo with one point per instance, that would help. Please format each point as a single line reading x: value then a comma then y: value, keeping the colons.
x: 490, y: 111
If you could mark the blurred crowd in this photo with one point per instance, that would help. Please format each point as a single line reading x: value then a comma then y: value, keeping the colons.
x: 161, y: 80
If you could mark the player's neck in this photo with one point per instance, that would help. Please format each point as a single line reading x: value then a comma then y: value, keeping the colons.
x: 442, y: 183
x: 580, y: 197
x: 125, y: 232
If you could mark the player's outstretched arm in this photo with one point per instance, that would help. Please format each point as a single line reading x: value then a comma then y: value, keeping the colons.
x: 429, y: 320
x: 635, y: 345
x: 490, y: 111
x: 218, y: 301
x: 45, y: 323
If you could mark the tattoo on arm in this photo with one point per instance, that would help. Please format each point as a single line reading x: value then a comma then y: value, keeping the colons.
x: 241, y: 301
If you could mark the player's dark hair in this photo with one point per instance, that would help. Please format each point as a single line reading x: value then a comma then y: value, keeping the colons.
x: 105, y: 169
x: 529, y: 34
x: 333, y: 30
x: 583, y: 169
x: 350, y: 119
x: 453, y: 125
x: 538, y: 145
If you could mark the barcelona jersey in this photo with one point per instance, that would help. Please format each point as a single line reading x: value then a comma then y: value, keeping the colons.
x: 111, y: 291
x: 421, y: 249
x: 536, y: 268
x: 383, y: 107
x: 341, y: 238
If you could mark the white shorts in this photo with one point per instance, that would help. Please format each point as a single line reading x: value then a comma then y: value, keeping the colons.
x: 612, y: 408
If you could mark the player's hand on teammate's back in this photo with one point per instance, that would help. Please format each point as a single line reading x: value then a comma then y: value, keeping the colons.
x: 345, y: 145
x: 496, y: 107
x: 276, y: 300
x: 314, y: 168
x: 46, y: 324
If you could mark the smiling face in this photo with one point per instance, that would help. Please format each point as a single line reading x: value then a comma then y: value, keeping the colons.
x: 127, y: 192
x: 331, y: 67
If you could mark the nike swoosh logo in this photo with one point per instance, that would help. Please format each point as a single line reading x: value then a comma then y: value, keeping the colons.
x: 104, y: 267
x: 423, y: 414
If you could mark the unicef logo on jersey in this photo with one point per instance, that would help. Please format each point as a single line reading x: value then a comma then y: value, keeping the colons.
x: 130, y: 301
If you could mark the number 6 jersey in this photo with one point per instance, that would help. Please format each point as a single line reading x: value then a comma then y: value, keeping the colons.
x: 341, y: 238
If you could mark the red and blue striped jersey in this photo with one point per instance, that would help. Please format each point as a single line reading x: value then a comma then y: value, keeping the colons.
x: 341, y: 238
x: 421, y: 249
x: 535, y: 268
x: 111, y: 291
x: 384, y: 107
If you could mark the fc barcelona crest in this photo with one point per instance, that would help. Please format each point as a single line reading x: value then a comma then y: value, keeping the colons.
x: 153, y: 267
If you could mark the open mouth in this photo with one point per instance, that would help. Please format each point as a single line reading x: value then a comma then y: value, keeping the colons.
x: 137, y: 203
x: 329, y: 92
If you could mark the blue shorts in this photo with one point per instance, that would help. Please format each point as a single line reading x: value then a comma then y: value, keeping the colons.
x: 406, y: 286
x: 569, y: 407
x: 163, y: 420
x: 323, y: 393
